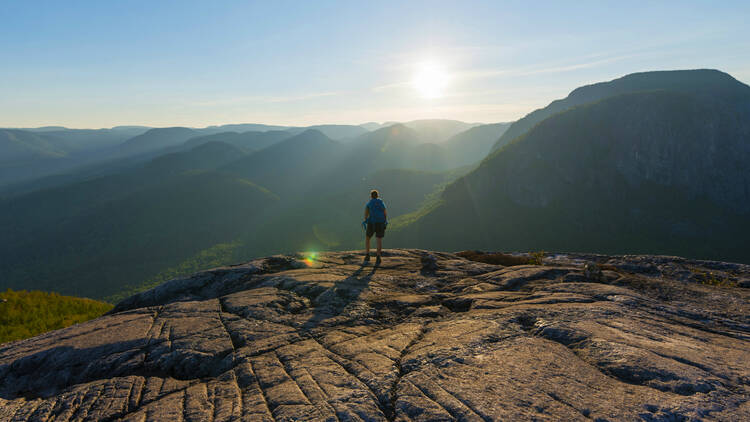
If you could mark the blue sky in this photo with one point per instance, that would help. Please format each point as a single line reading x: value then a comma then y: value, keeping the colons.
x: 165, y: 63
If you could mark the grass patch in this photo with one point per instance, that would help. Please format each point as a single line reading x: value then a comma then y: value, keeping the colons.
x: 712, y: 279
x: 25, y: 314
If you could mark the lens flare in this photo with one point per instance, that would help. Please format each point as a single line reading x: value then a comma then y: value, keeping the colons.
x: 309, y: 260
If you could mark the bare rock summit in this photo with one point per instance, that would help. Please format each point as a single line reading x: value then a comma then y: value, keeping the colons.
x: 425, y: 336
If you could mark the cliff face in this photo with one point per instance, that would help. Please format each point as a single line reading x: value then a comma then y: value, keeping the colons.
x: 658, y: 163
x: 685, y: 143
x: 424, y: 336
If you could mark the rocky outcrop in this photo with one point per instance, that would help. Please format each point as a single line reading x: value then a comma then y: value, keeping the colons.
x: 423, y: 336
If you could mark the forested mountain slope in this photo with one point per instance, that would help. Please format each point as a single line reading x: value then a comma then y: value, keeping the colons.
x: 664, y: 171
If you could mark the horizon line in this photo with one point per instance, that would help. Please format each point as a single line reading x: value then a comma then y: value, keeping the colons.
x: 284, y: 126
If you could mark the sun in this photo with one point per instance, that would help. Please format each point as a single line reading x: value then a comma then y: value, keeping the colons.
x: 430, y: 80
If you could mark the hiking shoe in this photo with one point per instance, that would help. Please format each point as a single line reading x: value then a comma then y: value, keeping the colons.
x: 377, y: 259
x: 367, y: 258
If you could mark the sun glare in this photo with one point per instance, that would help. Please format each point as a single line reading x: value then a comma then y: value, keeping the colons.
x: 430, y: 80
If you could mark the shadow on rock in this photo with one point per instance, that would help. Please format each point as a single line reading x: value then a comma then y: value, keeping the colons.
x: 330, y: 304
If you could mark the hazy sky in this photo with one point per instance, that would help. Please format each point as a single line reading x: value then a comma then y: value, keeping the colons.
x: 163, y: 63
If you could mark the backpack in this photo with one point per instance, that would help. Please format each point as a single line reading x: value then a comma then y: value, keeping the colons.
x: 377, y: 210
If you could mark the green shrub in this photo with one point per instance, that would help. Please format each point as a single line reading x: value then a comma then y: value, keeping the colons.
x: 537, y: 258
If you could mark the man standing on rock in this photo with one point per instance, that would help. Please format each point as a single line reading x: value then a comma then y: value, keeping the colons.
x: 376, y: 219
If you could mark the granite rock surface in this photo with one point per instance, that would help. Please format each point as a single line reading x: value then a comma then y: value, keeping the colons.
x: 424, y: 336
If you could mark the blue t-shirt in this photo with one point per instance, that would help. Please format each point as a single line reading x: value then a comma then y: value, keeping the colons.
x: 377, y: 210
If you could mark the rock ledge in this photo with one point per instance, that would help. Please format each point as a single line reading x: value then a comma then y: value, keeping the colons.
x: 424, y: 336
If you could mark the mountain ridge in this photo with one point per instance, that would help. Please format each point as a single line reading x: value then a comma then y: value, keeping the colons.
x: 640, y: 81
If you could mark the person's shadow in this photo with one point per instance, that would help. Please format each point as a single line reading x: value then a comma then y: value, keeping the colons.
x: 332, y: 302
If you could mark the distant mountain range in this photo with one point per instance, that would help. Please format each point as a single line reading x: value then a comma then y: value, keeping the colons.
x: 653, y: 162
x: 225, y: 195
x: 248, y: 141
x: 28, y: 154
x: 437, y: 131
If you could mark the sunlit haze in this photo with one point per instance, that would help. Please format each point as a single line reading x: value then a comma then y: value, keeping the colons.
x: 430, y: 80
x: 100, y: 64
